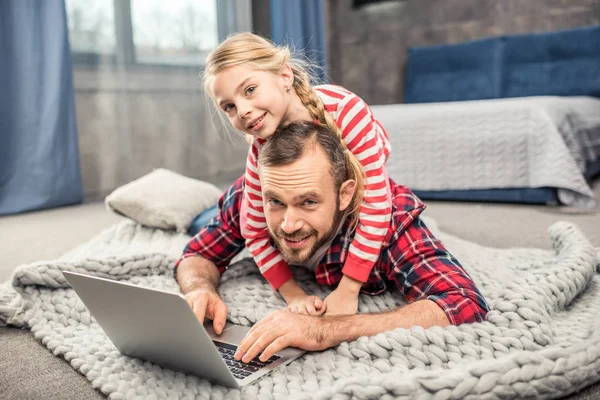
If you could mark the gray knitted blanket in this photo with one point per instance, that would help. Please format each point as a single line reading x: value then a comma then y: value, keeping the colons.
x: 541, y: 339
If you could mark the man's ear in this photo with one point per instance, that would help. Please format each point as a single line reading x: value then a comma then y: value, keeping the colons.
x: 347, y: 193
x: 287, y: 75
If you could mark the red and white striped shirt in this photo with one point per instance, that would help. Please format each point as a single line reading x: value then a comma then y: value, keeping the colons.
x: 368, y: 141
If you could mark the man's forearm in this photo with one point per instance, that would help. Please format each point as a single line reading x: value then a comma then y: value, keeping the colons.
x: 343, y: 328
x: 197, y: 272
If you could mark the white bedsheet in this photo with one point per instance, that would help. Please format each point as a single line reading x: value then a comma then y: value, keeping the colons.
x: 528, y: 142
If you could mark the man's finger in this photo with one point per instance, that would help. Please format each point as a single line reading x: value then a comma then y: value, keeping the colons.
x: 259, y: 345
x: 254, y: 333
x: 200, y: 311
x: 199, y: 308
x: 264, y: 321
x: 277, y: 345
x: 253, y: 329
x: 310, y: 308
x: 247, y: 342
x: 220, y: 317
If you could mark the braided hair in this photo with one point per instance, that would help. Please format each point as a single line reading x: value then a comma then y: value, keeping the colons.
x: 261, y: 54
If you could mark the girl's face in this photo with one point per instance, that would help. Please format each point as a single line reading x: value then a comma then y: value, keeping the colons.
x: 256, y: 102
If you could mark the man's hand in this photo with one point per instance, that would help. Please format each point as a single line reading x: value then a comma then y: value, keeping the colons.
x: 207, y: 303
x: 279, y: 330
x: 340, y: 302
x: 311, y: 305
x: 198, y: 279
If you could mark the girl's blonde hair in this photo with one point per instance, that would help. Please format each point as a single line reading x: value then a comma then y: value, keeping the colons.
x: 261, y: 54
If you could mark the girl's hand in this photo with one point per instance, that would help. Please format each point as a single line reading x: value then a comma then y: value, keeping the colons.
x: 310, y: 305
x: 340, y: 302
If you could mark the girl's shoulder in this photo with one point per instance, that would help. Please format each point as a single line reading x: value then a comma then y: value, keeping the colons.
x: 334, y: 96
x: 333, y: 91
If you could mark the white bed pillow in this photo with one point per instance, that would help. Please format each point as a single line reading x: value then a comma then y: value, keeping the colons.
x: 163, y: 199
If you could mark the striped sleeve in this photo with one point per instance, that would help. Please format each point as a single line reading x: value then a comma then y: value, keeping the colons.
x: 254, y: 226
x: 366, y: 139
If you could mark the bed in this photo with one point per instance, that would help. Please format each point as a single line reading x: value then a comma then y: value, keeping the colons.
x: 528, y: 150
x: 484, y: 120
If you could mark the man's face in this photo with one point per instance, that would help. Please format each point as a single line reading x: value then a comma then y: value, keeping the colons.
x: 302, y: 208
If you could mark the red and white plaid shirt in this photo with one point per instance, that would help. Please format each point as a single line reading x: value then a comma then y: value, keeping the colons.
x: 412, y: 258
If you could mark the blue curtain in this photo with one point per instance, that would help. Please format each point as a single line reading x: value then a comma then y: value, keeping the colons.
x: 300, y: 23
x: 39, y: 162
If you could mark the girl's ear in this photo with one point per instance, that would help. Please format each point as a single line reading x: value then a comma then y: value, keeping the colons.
x: 287, y: 76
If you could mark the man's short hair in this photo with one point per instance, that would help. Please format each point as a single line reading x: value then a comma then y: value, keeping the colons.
x: 292, y: 142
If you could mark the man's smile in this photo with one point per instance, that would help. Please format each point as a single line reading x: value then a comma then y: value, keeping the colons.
x: 296, y: 243
x: 296, y: 247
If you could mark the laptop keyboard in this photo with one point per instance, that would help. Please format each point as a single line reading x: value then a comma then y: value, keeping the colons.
x: 239, y: 369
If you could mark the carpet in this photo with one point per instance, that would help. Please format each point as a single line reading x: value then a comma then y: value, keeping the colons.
x: 541, y: 339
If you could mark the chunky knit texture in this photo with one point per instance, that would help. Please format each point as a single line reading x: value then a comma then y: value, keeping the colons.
x: 541, y: 339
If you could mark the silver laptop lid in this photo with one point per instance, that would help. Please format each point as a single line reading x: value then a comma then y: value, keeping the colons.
x: 129, y: 316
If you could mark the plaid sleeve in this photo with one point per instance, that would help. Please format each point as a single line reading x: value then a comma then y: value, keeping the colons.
x: 424, y: 269
x: 221, y: 239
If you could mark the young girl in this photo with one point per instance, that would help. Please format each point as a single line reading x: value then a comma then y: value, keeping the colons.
x: 261, y: 88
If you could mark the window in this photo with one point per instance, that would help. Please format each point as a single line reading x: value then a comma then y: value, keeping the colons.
x: 91, y: 26
x: 180, y: 32
x: 156, y: 32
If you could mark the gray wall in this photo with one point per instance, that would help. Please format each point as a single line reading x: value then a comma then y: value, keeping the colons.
x: 367, y: 46
x: 132, y: 119
x: 135, y: 119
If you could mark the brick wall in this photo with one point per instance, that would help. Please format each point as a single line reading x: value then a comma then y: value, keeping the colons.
x: 367, y: 46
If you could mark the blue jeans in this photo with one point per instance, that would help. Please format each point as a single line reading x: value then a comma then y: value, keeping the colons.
x: 202, y: 220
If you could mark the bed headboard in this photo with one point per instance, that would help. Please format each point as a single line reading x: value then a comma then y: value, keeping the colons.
x: 562, y: 63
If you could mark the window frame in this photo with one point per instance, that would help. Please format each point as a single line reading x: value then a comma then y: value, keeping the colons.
x: 232, y: 16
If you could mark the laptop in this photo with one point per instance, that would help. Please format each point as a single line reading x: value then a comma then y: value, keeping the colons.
x: 160, y: 327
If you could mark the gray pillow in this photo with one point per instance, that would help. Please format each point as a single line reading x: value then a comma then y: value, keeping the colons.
x: 163, y: 199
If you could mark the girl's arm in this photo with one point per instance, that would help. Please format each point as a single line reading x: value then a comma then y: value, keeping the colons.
x: 368, y: 142
x: 254, y: 226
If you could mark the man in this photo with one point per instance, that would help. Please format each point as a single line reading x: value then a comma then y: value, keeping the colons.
x: 306, y: 192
